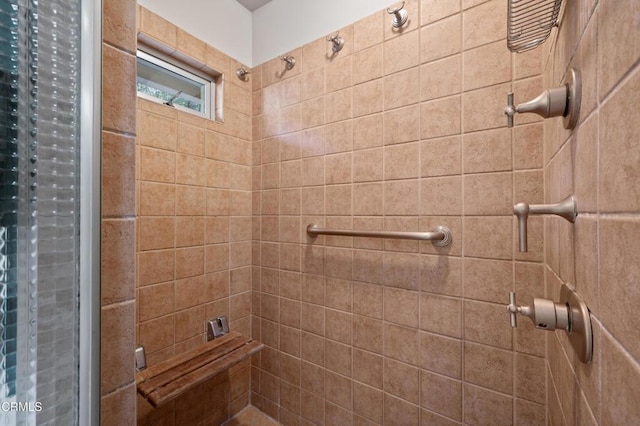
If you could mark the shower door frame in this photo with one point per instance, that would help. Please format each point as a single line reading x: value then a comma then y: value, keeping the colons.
x: 90, y: 199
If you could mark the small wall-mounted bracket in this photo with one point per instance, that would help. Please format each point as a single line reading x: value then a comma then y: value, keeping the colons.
x: 141, y: 359
x: 217, y: 327
x: 571, y: 315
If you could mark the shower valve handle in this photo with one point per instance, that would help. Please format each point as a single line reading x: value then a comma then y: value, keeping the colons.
x: 544, y: 313
x: 510, y: 110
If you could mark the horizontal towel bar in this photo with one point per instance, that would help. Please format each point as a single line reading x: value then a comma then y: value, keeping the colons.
x: 440, y: 237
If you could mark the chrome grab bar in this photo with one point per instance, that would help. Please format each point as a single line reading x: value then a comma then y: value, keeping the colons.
x: 440, y: 237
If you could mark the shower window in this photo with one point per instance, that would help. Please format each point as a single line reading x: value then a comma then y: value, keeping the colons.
x: 166, y: 83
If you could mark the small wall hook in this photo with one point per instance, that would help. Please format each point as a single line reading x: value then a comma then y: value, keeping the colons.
x: 242, y: 73
x: 290, y: 60
x: 400, y: 16
x: 338, y: 42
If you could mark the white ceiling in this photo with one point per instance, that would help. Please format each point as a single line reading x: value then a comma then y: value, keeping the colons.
x: 253, y: 4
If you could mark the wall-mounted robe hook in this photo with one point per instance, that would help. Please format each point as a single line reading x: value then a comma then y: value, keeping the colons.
x: 290, y: 60
x: 243, y: 73
x: 400, y: 16
x: 338, y: 42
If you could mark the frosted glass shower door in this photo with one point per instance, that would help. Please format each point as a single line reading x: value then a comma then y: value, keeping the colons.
x: 39, y: 211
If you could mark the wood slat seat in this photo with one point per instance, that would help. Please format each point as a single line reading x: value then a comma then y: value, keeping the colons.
x: 165, y: 381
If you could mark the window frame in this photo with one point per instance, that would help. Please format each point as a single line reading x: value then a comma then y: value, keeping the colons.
x: 174, y: 67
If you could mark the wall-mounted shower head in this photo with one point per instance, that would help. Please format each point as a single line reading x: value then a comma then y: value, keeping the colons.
x: 242, y: 73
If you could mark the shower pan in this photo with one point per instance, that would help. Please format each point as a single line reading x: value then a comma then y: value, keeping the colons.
x: 49, y: 204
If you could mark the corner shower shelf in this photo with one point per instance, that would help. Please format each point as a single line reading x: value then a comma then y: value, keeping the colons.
x: 167, y: 380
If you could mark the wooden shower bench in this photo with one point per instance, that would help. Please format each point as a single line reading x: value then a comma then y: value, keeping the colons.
x: 167, y: 380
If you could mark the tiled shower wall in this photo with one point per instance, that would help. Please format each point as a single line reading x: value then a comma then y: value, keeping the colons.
x: 598, y: 162
x: 404, y: 131
x: 193, y: 228
x: 117, y: 257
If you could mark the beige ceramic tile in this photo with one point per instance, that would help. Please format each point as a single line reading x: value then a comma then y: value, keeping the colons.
x: 441, y: 78
x: 156, y: 233
x: 498, y: 330
x: 368, y: 402
x: 368, y: 98
x: 119, y: 24
x: 402, y: 381
x: 441, y: 196
x: 401, y: 161
x: 401, y: 89
x: 483, y: 406
x: 440, y: 315
x: 339, y: 137
x: 617, y: 291
x: 401, y: 52
x: 440, y: 117
x: 490, y: 115
x: 118, y: 329
x: 401, y: 198
x: 340, y: 105
x: 488, y: 237
x: 616, y: 22
x: 157, y: 165
x: 401, y: 343
x: 434, y: 10
x: 368, y: 31
x: 441, y: 275
x: 118, y: 260
x: 189, y: 262
x: 487, y: 280
x: 440, y: 157
x: 368, y: 132
x: 155, y: 301
x: 440, y: 39
x: 486, y: 65
x: 529, y: 413
x: 441, y: 394
x: 481, y: 364
x: 527, y: 146
x: 484, y: 24
x: 368, y: 64
x: 339, y: 74
x: 399, y: 412
x: 401, y: 307
x: 118, y: 175
x: 530, y: 378
x: 440, y: 354
x: 158, y: 28
x: 620, y: 375
x: 402, y: 125
x: 118, y: 406
x: 487, y: 151
x: 618, y: 160
x: 488, y: 194
x: 119, y: 73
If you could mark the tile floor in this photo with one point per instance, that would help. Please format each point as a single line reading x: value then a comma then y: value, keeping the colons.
x: 251, y: 416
